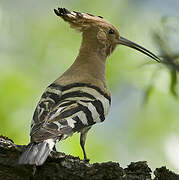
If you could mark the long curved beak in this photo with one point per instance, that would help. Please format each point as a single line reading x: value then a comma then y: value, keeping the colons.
x: 133, y: 45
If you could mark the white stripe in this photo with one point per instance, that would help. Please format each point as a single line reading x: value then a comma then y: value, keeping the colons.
x: 70, y: 122
x: 95, y: 114
x: 97, y: 120
x: 57, y: 113
x: 60, y: 126
x: 40, y: 111
x: 66, y: 101
x: 91, y: 108
x: 82, y: 117
x: 59, y: 110
x: 93, y: 92
x: 106, y: 106
x: 55, y: 91
x: 78, y: 99
x: 46, y: 99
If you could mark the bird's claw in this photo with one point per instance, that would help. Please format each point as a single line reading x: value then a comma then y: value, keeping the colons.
x: 86, y: 160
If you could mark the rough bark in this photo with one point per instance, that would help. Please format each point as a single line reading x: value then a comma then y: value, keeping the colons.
x: 65, y: 167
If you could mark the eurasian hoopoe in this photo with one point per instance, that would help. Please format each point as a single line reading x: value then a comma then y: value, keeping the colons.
x: 79, y: 98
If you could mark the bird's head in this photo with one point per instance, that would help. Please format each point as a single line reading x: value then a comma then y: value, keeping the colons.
x: 98, y: 33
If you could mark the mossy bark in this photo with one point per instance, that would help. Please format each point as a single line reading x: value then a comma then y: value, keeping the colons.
x: 65, y: 167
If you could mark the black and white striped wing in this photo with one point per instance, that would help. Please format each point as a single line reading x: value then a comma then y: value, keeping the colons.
x: 80, y: 105
x: 50, y: 98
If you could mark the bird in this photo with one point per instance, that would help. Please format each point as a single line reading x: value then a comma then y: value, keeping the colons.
x: 79, y: 98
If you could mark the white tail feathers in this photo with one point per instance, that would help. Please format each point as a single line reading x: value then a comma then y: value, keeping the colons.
x: 37, y: 153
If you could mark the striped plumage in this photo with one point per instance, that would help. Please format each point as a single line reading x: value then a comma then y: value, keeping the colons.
x: 79, y: 98
x: 64, y: 110
x: 68, y: 109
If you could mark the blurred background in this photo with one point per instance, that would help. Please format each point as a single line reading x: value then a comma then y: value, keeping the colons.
x: 36, y: 47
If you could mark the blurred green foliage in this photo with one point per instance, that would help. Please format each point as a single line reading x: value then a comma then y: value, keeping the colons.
x: 36, y: 47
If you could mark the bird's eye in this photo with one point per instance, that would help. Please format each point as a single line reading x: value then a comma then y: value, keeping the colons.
x: 111, y: 31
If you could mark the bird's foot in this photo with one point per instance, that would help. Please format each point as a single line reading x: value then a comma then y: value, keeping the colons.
x: 86, y: 160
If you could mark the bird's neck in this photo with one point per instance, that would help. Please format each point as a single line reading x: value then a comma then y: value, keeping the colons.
x: 89, y: 64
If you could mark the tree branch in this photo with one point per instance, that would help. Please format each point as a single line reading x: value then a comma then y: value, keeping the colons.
x: 65, y: 167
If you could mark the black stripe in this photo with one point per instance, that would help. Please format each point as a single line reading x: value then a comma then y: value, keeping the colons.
x: 51, y: 95
x: 86, y: 101
x: 36, y: 126
x: 69, y: 112
x: 100, y: 17
x: 99, y: 108
x: 76, y: 94
x: 35, y: 115
x: 88, y: 114
x: 55, y: 86
x: 43, y: 115
x: 87, y: 85
x: 46, y: 104
x: 90, y: 14
x: 66, y: 103
x: 78, y: 125
x: 63, y: 122
x: 42, y: 105
x: 51, y: 126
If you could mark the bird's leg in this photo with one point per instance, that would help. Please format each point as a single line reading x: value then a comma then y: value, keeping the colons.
x: 82, y: 143
x: 83, y: 140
